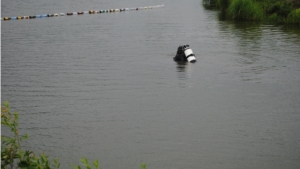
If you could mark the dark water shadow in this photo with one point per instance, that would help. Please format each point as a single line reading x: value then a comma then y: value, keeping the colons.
x: 184, y: 71
x: 181, y: 66
x: 181, y: 69
x: 291, y: 29
x: 222, y: 16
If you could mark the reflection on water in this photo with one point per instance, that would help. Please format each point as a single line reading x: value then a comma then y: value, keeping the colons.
x: 184, y: 73
x: 252, y: 40
x: 248, y: 42
x: 181, y: 66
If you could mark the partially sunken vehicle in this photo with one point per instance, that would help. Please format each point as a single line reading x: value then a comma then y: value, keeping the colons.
x: 185, y: 54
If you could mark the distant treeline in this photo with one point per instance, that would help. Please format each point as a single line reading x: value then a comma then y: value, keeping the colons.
x: 280, y: 11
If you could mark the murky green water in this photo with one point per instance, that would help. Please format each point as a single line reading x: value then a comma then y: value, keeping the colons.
x: 105, y: 86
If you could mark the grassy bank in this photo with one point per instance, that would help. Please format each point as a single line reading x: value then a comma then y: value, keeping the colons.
x: 279, y: 11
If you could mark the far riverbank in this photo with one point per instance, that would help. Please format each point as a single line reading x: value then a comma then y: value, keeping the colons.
x: 276, y: 11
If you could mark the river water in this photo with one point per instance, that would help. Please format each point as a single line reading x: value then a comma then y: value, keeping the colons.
x: 105, y: 86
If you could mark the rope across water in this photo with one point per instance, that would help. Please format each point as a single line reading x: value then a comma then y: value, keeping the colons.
x: 78, y: 13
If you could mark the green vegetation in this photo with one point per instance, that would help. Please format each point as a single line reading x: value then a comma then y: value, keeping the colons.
x: 294, y: 16
x: 86, y: 163
x: 143, y: 166
x: 13, y: 157
x: 279, y: 11
x: 245, y: 10
x: 223, y: 4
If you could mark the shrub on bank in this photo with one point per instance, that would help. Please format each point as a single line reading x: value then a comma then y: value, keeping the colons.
x: 245, y: 10
x: 282, y: 8
x: 223, y: 4
x: 274, y: 18
x: 280, y: 11
x: 294, y: 16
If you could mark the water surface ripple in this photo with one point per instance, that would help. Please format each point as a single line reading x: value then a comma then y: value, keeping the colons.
x: 105, y: 87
